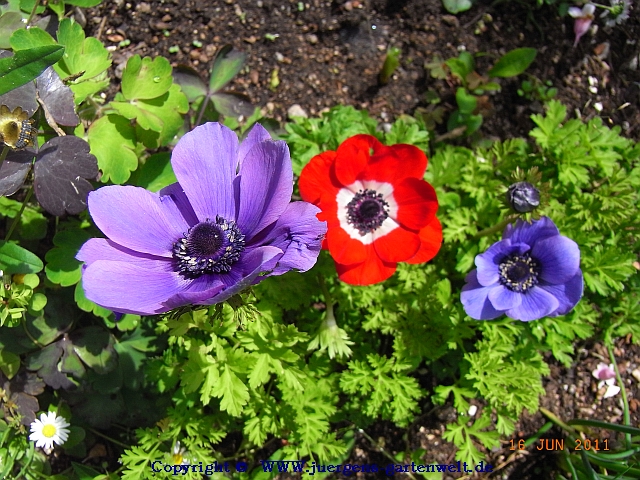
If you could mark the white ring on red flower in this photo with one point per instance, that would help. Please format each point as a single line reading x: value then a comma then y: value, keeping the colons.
x: 346, y: 194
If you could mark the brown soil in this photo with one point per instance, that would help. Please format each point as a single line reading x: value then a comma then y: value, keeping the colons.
x: 330, y: 52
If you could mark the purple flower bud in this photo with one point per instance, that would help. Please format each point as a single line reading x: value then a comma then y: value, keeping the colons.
x: 523, y: 197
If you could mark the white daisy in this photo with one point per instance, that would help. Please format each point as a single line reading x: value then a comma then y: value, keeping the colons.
x: 49, y: 429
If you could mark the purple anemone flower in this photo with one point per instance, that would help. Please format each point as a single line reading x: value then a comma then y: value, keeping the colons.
x: 227, y: 224
x: 533, y: 272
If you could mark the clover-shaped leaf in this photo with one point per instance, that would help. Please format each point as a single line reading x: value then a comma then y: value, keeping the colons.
x: 61, y: 171
x: 144, y: 78
x: 113, y: 142
x: 22, y: 391
x: 62, y: 267
x: 226, y: 65
x: 82, y: 55
x: 9, y: 23
x: 94, y: 345
x: 46, y: 361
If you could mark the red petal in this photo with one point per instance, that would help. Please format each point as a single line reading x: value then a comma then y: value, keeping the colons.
x: 343, y: 248
x: 397, y: 246
x: 353, y: 157
x: 392, y: 164
x: 372, y: 270
x: 417, y: 203
x: 315, y: 178
x: 431, y: 241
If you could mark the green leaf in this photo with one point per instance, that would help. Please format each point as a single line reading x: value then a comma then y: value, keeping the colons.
x: 34, y: 37
x: 462, y: 66
x: 513, y: 63
x: 87, y: 305
x: 457, y: 6
x: 26, y: 65
x: 156, y: 172
x: 10, y: 22
x: 467, y: 103
x: 232, y: 391
x: 227, y: 64
x: 83, y: 3
x: 144, y: 78
x: 86, y: 55
x: 15, y: 259
x: 94, y: 345
x: 62, y: 267
x: 9, y: 363
x: 113, y: 141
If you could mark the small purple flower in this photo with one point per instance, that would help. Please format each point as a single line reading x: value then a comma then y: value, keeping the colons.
x: 202, y: 240
x: 584, y: 17
x: 533, y: 272
x: 607, y: 376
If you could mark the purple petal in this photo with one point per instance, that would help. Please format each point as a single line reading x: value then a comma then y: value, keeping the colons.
x: 137, y: 219
x: 96, y: 249
x: 559, y: 258
x: 298, y: 233
x: 536, y: 303
x: 254, y: 263
x: 205, y: 162
x: 128, y: 287
x: 266, y: 185
x: 529, y: 233
x: 178, y: 196
x: 568, y: 294
x: 504, y: 299
x: 257, y: 134
x: 488, y: 262
x: 474, y: 298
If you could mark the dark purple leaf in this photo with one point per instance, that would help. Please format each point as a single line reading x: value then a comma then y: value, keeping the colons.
x: 232, y: 104
x: 190, y: 82
x: 57, y: 97
x: 226, y: 65
x: 45, y: 362
x: 22, y: 390
x: 62, y: 167
x: 14, y: 171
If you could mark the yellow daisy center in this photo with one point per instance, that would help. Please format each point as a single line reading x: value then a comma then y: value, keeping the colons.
x: 49, y: 430
x: 177, y: 458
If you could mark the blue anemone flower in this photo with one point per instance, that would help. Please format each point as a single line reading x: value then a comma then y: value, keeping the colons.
x: 533, y: 272
x: 227, y: 224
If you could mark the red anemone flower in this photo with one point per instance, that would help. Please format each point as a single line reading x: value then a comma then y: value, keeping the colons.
x: 378, y: 209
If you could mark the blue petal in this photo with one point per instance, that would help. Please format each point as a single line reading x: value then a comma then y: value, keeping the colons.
x: 474, y: 298
x: 559, y: 258
x: 205, y: 161
x: 265, y: 187
x: 298, y: 233
x: 488, y: 262
x: 536, y: 303
x: 568, y: 294
x: 504, y: 299
x: 238, y: 279
x: 529, y: 233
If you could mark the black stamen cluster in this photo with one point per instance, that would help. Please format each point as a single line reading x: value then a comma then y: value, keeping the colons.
x: 208, y: 247
x: 366, y: 211
x: 519, y: 272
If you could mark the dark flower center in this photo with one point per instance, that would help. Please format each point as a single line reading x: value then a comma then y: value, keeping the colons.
x: 519, y: 272
x: 366, y: 211
x: 208, y: 247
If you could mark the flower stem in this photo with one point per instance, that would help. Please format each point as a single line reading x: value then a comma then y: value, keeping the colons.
x: 623, y: 392
x: 330, y: 319
x: 496, y: 228
x: 3, y: 154
x: 33, y: 12
x: 14, y: 224
x: 113, y: 440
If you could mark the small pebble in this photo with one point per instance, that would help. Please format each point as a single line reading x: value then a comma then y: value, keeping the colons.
x: 296, y: 110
